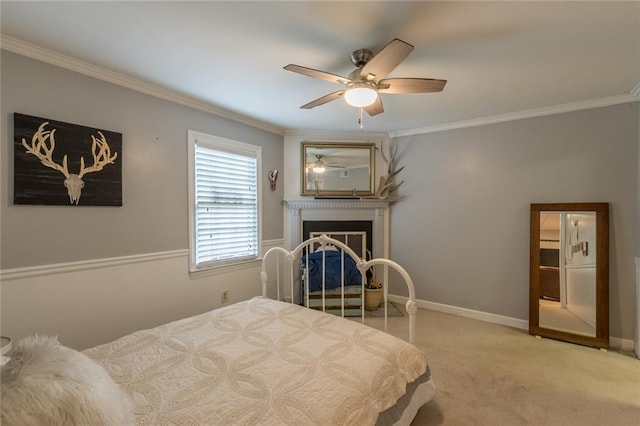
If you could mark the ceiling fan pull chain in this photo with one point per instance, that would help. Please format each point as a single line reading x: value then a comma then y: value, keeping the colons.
x: 360, y: 120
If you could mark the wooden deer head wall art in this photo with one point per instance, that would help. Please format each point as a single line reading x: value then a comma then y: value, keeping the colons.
x: 50, y: 166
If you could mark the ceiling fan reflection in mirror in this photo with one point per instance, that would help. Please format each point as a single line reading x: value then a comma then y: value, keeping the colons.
x: 365, y: 84
x: 320, y: 165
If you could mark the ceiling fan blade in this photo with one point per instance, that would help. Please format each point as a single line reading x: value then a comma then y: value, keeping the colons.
x: 323, y: 100
x: 410, y: 85
x: 375, y: 108
x: 386, y: 60
x: 334, y: 78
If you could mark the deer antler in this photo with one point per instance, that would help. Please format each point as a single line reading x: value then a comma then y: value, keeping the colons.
x: 388, y: 186
x: 391, y: 159
x: 42, y: 146
x: 101, y: 156
x: 40, y: 149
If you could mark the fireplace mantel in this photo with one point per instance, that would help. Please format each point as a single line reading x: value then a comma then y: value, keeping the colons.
x: 376, y: 211
x: 336, y: 203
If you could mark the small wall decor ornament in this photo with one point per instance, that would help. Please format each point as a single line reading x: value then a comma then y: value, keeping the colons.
x: 273, y: 178
x: 57, y: 163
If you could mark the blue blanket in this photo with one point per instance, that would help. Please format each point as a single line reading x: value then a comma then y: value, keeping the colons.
x: 333, y: 261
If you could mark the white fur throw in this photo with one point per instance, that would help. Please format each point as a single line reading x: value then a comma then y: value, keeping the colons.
x: 46, y: 383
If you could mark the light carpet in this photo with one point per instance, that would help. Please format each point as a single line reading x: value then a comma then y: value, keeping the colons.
x: 392, y: 311
x: 487, y: 374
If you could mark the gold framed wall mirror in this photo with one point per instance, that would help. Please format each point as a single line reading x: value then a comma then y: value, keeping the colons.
x: 569, y: 272
x: 337, y: 169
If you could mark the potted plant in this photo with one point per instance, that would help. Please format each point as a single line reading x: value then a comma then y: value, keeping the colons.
x: 372, y: 295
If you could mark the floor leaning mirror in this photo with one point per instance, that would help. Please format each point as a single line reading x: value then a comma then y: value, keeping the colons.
x: 569, y: 272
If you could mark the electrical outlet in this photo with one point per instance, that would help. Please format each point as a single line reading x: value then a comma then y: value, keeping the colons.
x: 224, y: 296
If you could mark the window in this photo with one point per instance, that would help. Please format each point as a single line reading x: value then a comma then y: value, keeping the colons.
x: 224, y: 201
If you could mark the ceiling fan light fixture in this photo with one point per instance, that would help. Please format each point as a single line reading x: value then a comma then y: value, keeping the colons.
x: 362, y: 88
x: 318, y: 166
x: 360, y: 95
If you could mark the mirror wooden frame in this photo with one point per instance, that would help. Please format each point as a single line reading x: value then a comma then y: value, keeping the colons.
x: 601, y: 338
x: 368, y: 148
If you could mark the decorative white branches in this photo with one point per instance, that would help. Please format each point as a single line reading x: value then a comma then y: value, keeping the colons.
x: 387, y: 188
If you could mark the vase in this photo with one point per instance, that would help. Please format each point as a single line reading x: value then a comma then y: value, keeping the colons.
x: 372, y: 298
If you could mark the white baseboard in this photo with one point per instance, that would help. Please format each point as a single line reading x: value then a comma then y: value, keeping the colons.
x: 622, y: 344
x: 614, y: 342
x: 464, y: 312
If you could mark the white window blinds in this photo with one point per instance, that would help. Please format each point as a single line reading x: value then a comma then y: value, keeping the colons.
x: 226, y: 211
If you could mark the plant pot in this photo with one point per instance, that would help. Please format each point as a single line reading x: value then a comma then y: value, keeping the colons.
x: 372, y: 298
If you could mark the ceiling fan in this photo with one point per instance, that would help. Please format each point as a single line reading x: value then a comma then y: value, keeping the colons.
x: 367, y: 81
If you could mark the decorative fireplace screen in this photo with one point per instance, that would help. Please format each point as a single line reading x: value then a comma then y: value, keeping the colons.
x: 330, y: 279
x: 343, y: 230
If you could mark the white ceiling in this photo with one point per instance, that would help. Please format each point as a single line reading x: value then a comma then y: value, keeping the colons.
x: 501, y: 59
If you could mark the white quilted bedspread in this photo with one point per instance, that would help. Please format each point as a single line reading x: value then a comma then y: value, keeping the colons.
x: 261, y: 362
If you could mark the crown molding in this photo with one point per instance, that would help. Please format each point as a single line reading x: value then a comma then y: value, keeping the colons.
x: 333, y: 135
x: 633, y: 96
x: 64, y: 61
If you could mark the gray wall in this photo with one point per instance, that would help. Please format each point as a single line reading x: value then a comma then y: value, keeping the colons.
x: 154, y: 216
x: 463, y: 230
x: 638, y: 225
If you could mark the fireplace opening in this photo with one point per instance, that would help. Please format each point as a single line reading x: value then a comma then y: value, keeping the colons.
x: 337, y: 226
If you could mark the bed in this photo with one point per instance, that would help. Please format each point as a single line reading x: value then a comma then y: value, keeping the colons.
x: 268, y: 361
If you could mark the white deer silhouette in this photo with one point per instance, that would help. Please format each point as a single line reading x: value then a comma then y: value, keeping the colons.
x: 73, y: 182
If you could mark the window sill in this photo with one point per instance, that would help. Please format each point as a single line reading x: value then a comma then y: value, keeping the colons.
x: 224, y: 269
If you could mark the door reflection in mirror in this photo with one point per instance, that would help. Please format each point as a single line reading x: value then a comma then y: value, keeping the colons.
x: 569, y: 272
x: 567, y: 290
